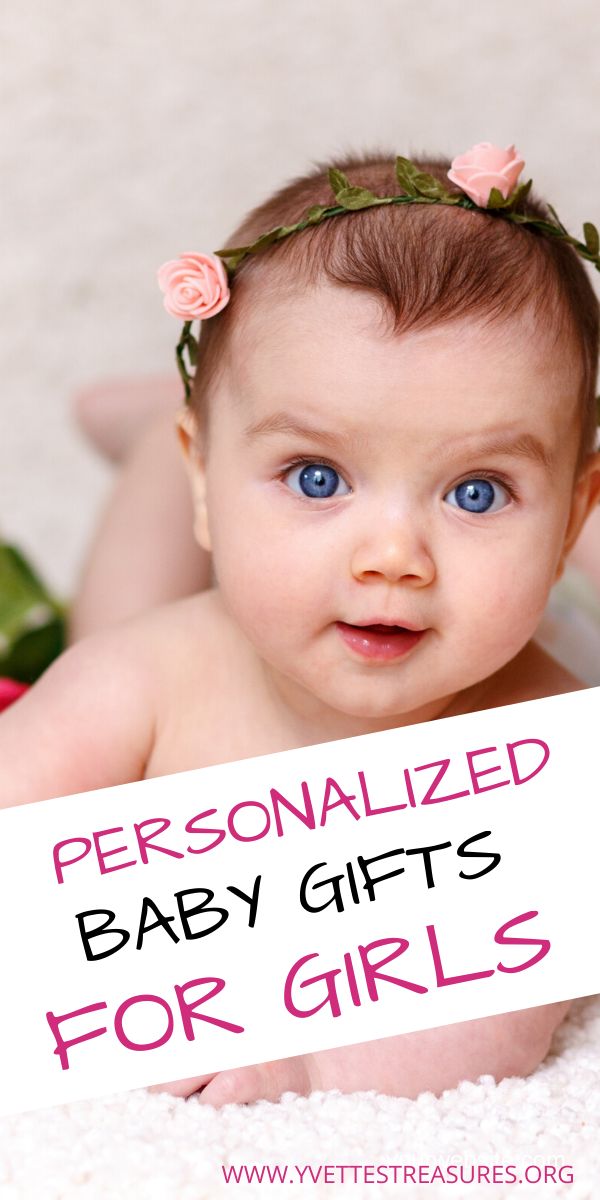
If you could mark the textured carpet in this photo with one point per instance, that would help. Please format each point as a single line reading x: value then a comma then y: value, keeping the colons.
x: 161, y: 1148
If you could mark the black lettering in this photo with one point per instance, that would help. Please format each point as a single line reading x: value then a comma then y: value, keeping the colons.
x: 492, y: 854
x: 184, y: 912
x: 102, y: 929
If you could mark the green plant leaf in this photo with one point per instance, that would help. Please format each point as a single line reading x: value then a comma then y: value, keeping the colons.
x: 550, y: 229
x: 356, y: 197
x: 314, y: 214
x: 519, y: 195
x: 555, y: 217
x: 405, y: 174
x: 496, y: 199
x: 233, y: 256
x: 426, y: 185
x: 265, y: 239
x: 32, y: 623
x: 339, y: 182
x: 231, y: 251
x: 592, y: 238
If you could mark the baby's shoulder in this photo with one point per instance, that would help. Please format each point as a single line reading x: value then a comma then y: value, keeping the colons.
x: 205, y: 686
x: 177, y: 637
x: 532, y: 675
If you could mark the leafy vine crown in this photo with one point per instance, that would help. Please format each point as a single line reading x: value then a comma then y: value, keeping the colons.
x: 196, y: 285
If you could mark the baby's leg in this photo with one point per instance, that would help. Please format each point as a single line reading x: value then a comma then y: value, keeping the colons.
x: 113, y: 413
x: 143, y: 553
x: 431, y: 1060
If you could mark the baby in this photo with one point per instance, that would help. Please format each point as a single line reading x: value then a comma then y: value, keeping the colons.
x: 390, y: 447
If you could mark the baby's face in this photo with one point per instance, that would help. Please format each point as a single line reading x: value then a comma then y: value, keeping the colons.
x: 387, y: 514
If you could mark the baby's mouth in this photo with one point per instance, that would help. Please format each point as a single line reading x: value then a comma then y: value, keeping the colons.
x: 379, y: 641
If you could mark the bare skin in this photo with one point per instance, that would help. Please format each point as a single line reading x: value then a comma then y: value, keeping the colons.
x: 142, y: 552
x: 143, y: 723
x: 402, y: 422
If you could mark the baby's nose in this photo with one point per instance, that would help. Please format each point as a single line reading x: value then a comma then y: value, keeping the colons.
x: 393, y: 550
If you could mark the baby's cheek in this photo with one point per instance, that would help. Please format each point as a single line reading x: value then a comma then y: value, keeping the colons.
x: 512, y: 600
x: 265, y: 583
x: 526, y: 586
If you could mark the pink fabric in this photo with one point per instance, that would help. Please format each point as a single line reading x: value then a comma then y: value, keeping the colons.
x: 195, y: 286
x: 483, y: 167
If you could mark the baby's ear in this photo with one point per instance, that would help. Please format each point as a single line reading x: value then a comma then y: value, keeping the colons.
x: 192, y: 443
x: 586, y: 495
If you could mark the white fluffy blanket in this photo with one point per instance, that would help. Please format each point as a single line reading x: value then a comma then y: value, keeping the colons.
x: 155, y: 1147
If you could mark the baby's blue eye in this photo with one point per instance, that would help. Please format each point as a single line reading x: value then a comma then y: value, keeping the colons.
x: 316, y: 480
x: 478, y: 496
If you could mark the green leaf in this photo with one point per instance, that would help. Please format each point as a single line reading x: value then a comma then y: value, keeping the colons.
x: 419, y: 183
x: 284, y: 231
x: 231, y: 251
x: 548, y: 228
x: 32, y: 624
x: 265, y: 239
x: 339, y: 182
x: 314, y: 214
x: 496, y: 199
x: 519, y: 195
x: 405, y: 174
x: 555, y: 217
x: 233, y: 255
x: 356, y: 197
x: 427, y: 185
x: 592, y: 238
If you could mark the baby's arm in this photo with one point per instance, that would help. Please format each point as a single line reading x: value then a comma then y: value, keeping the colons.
x: 87, y: 723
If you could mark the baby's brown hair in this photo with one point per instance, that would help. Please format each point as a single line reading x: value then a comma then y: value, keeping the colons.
x: 429, y: 265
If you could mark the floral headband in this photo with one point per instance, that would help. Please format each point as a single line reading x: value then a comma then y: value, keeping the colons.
x: 196, y: 286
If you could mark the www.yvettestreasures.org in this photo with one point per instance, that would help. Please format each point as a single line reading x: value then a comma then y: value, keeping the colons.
x: 477, y: 1173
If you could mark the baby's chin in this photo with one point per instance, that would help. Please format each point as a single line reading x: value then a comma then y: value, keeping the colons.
x: 372, y: 706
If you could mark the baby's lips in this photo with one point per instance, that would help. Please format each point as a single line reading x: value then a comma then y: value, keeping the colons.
x: 384, y: 624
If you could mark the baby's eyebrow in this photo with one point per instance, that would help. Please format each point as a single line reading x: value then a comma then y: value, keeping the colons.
x: 284, y: 422
x: 523, y: 445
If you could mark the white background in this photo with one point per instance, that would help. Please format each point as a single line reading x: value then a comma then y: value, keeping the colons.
x: 133, y: 130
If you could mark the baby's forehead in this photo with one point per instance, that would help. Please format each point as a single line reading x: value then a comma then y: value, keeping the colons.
x: 321, y: 316
x: 332, y: 351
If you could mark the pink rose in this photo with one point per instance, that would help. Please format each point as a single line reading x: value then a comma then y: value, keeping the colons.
x: 10, y: 691
x: 484, y: 167
x: 195, y: 286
